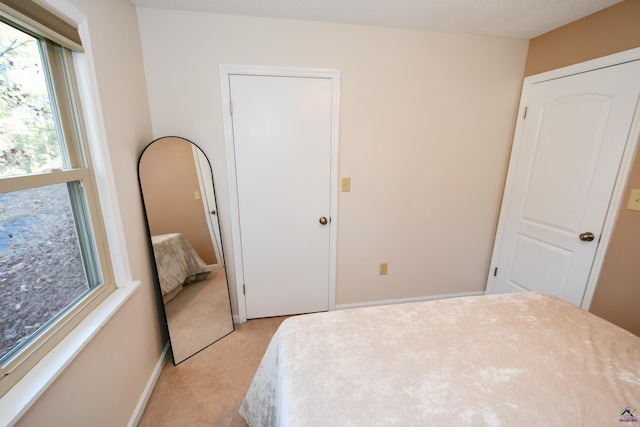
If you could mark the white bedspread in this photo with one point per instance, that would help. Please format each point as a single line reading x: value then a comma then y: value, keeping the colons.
x: 177, y: 263
x: 518, y: 359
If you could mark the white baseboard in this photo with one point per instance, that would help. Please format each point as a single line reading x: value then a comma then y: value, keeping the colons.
x: 236, y: 318
x: 144, y: 399
x: 406, y: 300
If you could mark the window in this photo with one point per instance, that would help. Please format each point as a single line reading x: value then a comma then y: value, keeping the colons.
x: 54, y: 262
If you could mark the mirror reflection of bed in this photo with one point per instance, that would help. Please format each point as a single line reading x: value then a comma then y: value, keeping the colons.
x: 179, y: 200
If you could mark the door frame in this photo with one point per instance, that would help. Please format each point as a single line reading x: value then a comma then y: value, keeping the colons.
x: 208, y: 195
x: 617, y: 195
x: 225, y: 71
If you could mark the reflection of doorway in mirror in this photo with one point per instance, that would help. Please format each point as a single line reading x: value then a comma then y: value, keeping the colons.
x: 207, y: 191
x: 169, y: 196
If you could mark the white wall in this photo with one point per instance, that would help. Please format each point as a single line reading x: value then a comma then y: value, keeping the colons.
x: 103, y: 384
x: 426, y: 126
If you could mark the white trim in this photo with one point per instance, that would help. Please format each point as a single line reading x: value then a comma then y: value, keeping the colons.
x: 406, y: 300
x: 225, y: 72
x: 15, y: 403
x: 236, y: 250
x: 586, y: 66
x: 146, y: 394
x: 208, y: 196
x: 623, y: 172
x: 101, y: 159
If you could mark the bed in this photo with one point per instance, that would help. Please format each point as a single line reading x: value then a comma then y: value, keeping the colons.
x: 514, y: 359
x: 177, y: 264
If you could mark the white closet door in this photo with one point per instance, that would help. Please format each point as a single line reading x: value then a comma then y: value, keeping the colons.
x: 282, y: 138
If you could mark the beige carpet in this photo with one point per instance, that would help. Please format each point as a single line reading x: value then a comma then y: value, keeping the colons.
x: 207, y: 389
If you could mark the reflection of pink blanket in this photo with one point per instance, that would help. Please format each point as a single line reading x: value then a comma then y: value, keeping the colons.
x: 500, y: 360
x: 177, y: 263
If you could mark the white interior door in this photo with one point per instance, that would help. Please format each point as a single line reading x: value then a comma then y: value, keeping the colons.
x: 561, y: 177
x: 282, y: 142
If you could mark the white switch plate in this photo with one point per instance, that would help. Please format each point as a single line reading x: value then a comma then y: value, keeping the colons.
x: 634, y: 200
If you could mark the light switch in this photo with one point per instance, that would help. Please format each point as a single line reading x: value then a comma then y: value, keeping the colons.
x: 634, y: 200
x: 346, y: 184
x: 196, y: 195
x: 384, y: 268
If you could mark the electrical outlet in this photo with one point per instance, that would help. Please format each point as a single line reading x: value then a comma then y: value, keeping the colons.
x: 346, y: 184
x: 384, y: 268
x: 196, y: 195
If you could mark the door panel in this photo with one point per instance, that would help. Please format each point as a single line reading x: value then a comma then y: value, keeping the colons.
x: 566, y: 164
x: 578, y: 123
x: 536, y: 264
x: 282, y: 138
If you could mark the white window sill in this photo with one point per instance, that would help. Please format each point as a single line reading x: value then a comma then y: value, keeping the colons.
x: 15, y: 403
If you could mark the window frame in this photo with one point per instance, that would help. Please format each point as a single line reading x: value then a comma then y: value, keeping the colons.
x: 75, y: 91
x: 57, y: 65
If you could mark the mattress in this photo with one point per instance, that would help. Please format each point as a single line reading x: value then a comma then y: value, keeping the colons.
x: 514, y: 359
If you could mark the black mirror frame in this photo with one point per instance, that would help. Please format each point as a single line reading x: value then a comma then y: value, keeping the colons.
x: 155, y: 274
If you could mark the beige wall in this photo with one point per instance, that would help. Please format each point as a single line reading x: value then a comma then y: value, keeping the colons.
x: 609, y: 31
x: 103, y: 384
x: 169, y: 179
x: 425, y: 130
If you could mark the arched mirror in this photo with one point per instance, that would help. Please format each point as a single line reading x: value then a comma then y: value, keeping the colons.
x: 177, y: 189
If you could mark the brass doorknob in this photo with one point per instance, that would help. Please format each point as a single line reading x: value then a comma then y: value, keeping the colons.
x: 323, y: 220
x: 587, y: 237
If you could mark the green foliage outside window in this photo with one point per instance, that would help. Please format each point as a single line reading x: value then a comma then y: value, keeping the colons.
x: 28, y: 137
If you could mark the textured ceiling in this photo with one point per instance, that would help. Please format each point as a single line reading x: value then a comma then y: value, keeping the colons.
x: 506, y: 18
